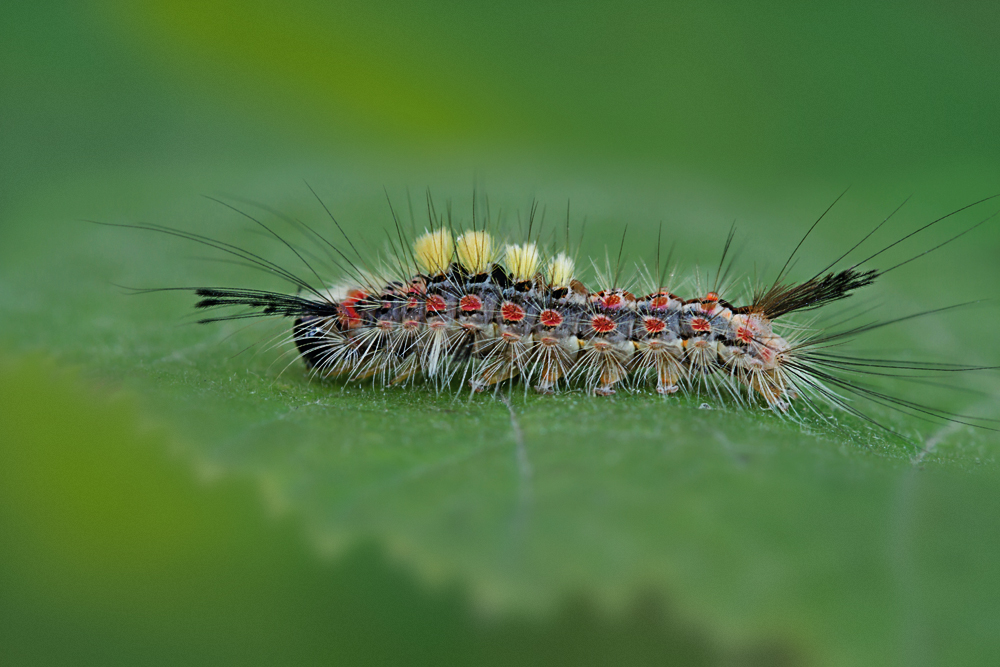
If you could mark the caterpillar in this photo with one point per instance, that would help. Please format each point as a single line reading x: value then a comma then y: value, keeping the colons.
x: 464, y: 307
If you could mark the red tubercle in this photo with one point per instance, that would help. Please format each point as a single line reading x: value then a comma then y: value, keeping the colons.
x: 602, y: 324
x: 436, y: 304
x: 701, y: 325
x: 470, y: 303
x: 663, y: 300
x: 660, y: 302
x: 653, y: 325
x: 611, y: 301
x: 709, y: 303
x: 550, y: 318
x: 745, y: 334
x: 511, y: 312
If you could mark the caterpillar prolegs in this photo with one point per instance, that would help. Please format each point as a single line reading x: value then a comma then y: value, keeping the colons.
x: 463, y: 308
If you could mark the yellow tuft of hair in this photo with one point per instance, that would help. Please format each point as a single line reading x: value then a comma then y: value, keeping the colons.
x: 475, y: 252
x: 522, y: 261
x: 433, y: 251
x: 561, y: 270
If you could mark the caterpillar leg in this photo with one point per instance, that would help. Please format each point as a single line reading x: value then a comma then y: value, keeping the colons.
x: 605, y: 364
x: 770, y: 386
x: 503, y: 358
x: 757, y: 366
x: 663, y: 359
x: 552, y: 358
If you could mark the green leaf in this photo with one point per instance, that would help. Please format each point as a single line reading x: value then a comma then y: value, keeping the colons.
x: 226, y: 508
x: 832, y: 542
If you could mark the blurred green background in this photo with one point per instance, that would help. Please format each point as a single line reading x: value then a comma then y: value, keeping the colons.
x: 166, y: 498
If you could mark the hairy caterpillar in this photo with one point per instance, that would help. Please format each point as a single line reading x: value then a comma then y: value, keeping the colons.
x: 464, y: 307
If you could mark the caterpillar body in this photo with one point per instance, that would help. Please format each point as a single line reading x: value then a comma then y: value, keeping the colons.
x: 517, y: 320
x: 463, y: 308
